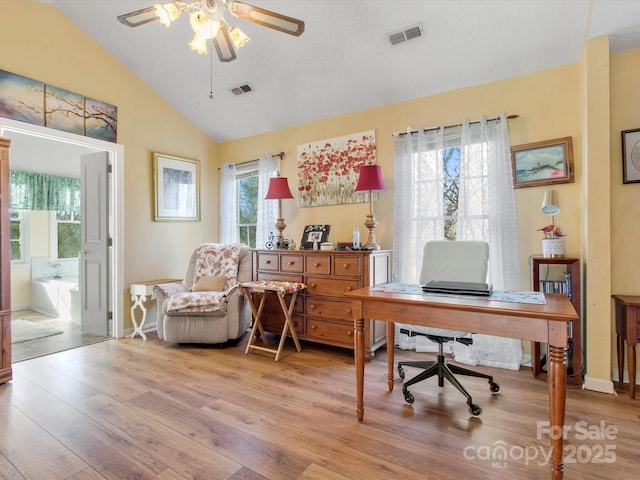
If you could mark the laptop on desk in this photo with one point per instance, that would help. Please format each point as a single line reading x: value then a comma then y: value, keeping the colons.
x: 458, y: 288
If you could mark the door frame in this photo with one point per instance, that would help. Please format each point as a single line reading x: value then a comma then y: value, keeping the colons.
x: 116, y: 201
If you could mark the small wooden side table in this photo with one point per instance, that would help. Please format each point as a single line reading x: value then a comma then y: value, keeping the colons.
x: 627, y: 330
x: 280, y: 289
x: 139, y: 293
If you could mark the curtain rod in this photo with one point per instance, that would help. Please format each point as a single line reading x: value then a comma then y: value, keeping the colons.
x: 402, y: 134
x: 279, y: 155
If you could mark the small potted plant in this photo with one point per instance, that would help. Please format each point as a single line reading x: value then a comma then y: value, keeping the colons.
x: 553, y: 241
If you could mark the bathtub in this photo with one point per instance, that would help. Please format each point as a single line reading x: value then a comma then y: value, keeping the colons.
x: 57, y: 297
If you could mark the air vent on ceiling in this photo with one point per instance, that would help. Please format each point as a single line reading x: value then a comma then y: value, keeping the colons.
x: 241, y: 90
x: 409, y: 33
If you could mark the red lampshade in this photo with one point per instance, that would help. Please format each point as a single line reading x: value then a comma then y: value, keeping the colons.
x: 370, y: 179
x: 278, y: 188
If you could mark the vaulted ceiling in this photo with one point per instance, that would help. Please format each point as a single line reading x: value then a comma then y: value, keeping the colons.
x: 344, y: 62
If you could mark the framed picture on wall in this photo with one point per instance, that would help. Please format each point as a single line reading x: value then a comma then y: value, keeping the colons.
x: 631, y: 156
x: 542, y: 163
x: 176, y: 184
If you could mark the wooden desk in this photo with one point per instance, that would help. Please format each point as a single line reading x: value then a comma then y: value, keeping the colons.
x: 540, y: 323
x: 627, y: 329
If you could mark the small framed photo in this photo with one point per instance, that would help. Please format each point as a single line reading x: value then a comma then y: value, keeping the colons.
x: 314, y: 234
x: 631, y: 156
x: 542, y: 163
x: 176, y: 184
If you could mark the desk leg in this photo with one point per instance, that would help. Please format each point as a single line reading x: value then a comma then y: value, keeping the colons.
x: 632, y: 371
x: 557, y: 379
x: 138, y: 301
x: 359, y: 354
x: 391, y: 345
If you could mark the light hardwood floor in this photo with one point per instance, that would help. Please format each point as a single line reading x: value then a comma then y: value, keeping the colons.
x: 147, y: 410
x: 71, y: 337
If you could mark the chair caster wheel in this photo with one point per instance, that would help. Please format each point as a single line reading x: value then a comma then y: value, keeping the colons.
x: 401, y: 372
x: 494, y: 387
x: 475, y: 410
x: 408, y: 396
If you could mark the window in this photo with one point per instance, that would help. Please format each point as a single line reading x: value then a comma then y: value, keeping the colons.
x: 65, y: 234
x: 19, y: 235
x: 247, y: 178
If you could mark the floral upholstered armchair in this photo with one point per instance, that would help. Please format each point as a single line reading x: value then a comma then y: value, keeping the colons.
x: 208, y: 307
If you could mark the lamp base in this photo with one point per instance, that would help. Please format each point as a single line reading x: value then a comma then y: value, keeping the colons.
x: 371, y: 223
x: 553, y: 247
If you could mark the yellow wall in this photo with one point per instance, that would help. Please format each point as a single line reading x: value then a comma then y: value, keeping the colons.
x: 547, y: 103
x: 60, y: 54
x: 625, y: 199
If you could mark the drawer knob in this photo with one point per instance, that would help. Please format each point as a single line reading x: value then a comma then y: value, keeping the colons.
x: 292, y: 262
x: 345, y: 266
x: 349, y: 332
x: 313, y: 285
x: 348, y: 310
x: 348, y: 289
x: 312, y: 306
x: 316, y: 264
x: 313, y: 327
x: 267, y: 262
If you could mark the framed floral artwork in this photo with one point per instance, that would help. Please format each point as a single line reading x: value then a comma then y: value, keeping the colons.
x: 327, y: 169
x: 542, y: 163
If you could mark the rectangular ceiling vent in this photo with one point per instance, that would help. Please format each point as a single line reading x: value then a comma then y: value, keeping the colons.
x: 413, y: 32
x: 241, y: 90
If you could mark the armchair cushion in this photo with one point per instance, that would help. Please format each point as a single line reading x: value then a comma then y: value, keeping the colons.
x: 210, y: 283
x: 195, y: 302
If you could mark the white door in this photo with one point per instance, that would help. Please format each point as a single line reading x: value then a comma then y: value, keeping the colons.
x: 94, y: 256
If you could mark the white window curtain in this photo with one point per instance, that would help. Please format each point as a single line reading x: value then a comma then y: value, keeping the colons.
x: 486, y: 203
x: 486, y: 211
x: 267, y: 210
x: 229, y: 231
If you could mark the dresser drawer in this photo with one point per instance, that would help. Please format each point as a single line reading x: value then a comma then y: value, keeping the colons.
x: 318, y: 264
x: 279, y: 276
x: 329, y: 308
x: 291, y: 263
x: 272, y: 303
x: 273, y: 321
x: 328, y: 330
x: 330, y: 286
x: 347, y: 266
x: 268, y: 261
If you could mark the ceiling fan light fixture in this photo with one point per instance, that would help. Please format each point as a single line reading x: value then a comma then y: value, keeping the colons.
x: 167, y: 13
x: 202, y: 26
x: 213, y: 9
x: 238, y: 37
x: 198, y: 44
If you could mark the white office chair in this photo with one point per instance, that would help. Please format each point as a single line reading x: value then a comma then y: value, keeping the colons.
x: 464, y: 261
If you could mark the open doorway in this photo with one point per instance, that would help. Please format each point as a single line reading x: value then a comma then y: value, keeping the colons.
x: 45, y: 287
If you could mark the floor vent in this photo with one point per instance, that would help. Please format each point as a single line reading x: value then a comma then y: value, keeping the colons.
x: 409, y: 33
x: 241, y: 90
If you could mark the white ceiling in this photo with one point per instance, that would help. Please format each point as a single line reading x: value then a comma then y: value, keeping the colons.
x: 343, y: 61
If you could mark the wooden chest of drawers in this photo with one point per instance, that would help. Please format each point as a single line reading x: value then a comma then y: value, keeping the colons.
x: 321, y: 313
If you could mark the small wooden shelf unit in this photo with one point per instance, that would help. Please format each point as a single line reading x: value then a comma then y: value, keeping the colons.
x: 571, y: 287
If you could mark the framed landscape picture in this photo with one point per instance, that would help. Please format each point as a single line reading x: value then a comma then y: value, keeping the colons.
x: 631, y: 156
x: 542, y: 163
x: 177, y: 188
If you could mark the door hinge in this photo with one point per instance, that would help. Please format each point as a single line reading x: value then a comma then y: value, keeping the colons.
x: 110, y: 242
x: 110, y: 168
x: 109, y: 315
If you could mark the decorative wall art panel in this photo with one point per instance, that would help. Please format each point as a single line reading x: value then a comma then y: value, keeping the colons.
x: 328, y: 169
x: 21, y: 98
x: 32, y: 101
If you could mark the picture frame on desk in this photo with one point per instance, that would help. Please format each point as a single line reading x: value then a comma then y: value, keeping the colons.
x: 631, y: 156
x: 543, y: 163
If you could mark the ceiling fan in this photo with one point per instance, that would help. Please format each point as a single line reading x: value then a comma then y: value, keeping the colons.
x: 208, y: 22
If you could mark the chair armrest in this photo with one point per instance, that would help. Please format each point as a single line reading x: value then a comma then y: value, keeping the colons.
x: 164, y: 290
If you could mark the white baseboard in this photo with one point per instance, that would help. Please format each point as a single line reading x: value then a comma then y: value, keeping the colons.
x: 625, y: 376
x: 598, y: 385
x: 148, y: 327
x: 15, y: 308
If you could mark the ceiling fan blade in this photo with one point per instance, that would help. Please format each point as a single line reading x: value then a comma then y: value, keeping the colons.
x: 267, y: 18
x: 223, y: 45
x: 139, y: 17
